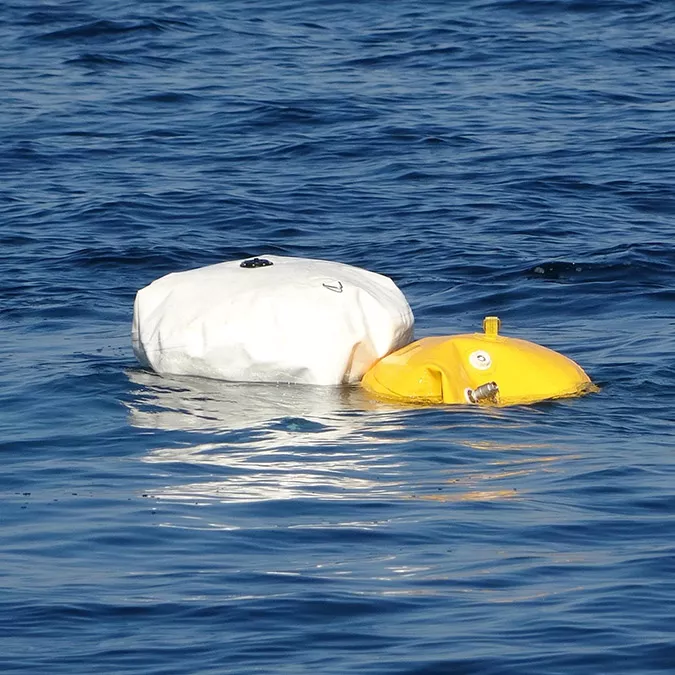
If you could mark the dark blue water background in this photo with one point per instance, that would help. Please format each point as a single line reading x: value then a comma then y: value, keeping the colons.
x: 505, y: 157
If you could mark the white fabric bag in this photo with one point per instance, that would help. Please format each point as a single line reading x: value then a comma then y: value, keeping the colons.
x: 275, y: 319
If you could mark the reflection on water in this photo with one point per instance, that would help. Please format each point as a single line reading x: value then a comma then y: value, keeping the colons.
x: 176, y: 403
x: 276, y: 441
x: 290, y: 442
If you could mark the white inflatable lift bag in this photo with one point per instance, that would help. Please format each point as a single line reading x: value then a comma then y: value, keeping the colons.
x: 275, y: 319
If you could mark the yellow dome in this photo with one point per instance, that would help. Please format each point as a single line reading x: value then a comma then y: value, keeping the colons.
x: 476, y: 368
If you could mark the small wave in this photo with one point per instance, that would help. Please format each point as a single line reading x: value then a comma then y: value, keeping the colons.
x: 97, y: 60
x: 105, y: 29
x: 412, y: 57
x: 163, y: 98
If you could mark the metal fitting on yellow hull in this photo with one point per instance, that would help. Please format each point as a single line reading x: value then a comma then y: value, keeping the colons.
x: 484, y: 368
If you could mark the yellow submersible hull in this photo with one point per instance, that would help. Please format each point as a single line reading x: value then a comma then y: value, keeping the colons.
x: 484, y: 368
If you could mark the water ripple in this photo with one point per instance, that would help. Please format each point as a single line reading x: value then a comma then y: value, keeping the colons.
x: 493, y: 157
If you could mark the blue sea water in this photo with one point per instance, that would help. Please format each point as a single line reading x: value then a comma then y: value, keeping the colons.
x: 508, y: 157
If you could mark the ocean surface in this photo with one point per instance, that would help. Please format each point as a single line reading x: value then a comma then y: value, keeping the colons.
x: 505, y: 157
